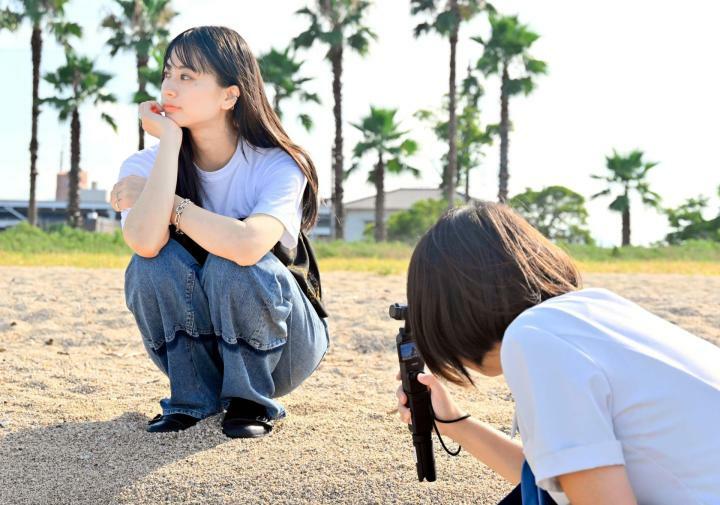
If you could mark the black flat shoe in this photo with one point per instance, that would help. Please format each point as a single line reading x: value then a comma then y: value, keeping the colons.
x: 245, y: 427
x: 246, y: 419
x: 171, y: 422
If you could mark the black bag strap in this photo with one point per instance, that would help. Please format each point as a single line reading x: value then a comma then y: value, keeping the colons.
x: 302, y: 263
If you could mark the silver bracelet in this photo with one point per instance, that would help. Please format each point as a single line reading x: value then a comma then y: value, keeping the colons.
x: 178, y: 212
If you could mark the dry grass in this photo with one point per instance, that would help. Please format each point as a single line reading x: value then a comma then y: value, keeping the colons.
x: 380, y: 266
x: 69, y: 259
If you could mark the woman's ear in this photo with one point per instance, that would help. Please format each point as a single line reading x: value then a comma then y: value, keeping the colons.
x: 232, y: 96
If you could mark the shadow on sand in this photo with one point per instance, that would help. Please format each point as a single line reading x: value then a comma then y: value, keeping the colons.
x: 92, y: 461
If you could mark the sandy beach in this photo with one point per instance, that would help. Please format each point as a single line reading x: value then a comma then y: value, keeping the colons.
x: 78, y: 389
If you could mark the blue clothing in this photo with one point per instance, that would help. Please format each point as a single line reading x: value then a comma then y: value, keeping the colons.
x: 531, y: 493
x: 527, y: 492
x: 219, y: 330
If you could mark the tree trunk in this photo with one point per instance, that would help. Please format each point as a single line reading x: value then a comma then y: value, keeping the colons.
x: 74, y: 215
x: 141, y: 61
x: 380, y: 234
x: 276, y: 101
x: 467, y: 184
x: 36, y: 45
x: 452, y: 121
x: 626, y: 227
x: 336, y: 56
x: 504, y: 137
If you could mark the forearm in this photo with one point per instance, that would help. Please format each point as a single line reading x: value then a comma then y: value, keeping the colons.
x: 146, y: 226
x: 244, y: 242
x: 217, y: 234
x: 492, y: 447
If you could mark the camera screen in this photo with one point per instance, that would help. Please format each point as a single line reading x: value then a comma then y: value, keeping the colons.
x: 408, y: 351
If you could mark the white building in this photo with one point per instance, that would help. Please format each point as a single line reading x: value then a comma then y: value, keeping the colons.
x: 323, y: 227
x: 360, y: 213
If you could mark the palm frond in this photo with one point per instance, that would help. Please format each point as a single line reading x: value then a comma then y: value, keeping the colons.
x: 109, y: 120
x: 306, y: 121
x: 604, y: 192
x: 10, y: 20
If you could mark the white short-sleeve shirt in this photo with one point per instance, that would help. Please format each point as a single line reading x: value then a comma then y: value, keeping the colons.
x: 597, y: 381
x: 254, y: 181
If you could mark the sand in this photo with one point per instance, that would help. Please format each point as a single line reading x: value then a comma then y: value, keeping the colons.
x: 78, y: 389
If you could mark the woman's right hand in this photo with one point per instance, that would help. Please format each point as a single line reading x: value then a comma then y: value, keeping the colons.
x: 156, y: 124
x: 442, y: 404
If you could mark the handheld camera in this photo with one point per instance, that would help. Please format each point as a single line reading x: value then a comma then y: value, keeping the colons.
x: 411, y: 364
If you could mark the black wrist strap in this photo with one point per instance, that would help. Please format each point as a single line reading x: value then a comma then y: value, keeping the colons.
x: 437, y: 432
x: 461, y: 418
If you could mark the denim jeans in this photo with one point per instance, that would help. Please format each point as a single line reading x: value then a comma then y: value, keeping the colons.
x: 221, y: 330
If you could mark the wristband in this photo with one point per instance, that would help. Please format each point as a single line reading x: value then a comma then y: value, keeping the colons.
x: 448, y: 421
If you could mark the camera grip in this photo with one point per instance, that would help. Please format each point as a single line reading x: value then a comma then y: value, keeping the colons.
x: 421, y: 428
x: 420, y: 409
x: 418, y: 397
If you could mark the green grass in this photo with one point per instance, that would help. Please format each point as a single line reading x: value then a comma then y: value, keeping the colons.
x: 26, y: 239
x: 692, y: 250
x: 650, y: 267
x: 64, y: 246
x: 381, y: 250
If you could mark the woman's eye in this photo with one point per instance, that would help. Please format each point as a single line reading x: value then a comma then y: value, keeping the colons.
x: 166, y: 75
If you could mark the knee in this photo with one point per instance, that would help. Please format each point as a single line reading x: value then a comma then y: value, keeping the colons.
x: 221, y: 277
x: 171, y: 253
x: 250, y: 302
x: 171, y: 264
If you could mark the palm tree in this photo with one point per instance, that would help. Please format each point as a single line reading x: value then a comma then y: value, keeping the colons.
x: 77, y: 82
x: 471, y: 136
x: 447, y: 24
x: 508, y: 47
x: 141, y: 27
x: 337, y: 24
x: 280, y: 69
x: 381, y: 136
x: 42, y: 14
x: 629, y: 172
x: 152, y: 72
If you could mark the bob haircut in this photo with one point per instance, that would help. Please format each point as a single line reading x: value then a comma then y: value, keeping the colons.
x: 471, y: 275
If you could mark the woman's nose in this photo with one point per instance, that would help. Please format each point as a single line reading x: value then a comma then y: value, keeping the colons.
x: 168, y: 91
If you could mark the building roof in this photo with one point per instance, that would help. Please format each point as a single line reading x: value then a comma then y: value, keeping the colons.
x: 398, y: 199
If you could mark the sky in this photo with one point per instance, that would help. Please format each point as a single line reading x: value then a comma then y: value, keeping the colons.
x: 622, y: 75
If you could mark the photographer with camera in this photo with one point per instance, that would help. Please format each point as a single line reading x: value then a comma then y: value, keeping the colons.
x: 613, y: 404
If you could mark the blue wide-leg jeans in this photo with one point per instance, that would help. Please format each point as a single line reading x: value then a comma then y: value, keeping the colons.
x: 221, y: 330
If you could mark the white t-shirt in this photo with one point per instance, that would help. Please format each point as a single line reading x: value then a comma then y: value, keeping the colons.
x: 258, y: 181
x: 598, y: 381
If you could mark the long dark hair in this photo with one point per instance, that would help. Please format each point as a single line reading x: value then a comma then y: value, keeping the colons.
x: 224, y: 53
x: 471, y: 275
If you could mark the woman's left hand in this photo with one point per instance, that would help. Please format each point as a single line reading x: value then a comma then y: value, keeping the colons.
x: 126, y: 191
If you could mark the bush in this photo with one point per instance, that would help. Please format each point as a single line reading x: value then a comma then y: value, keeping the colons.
x: 555, y: 211
x: 409, y: 225
x: 688, y: 223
